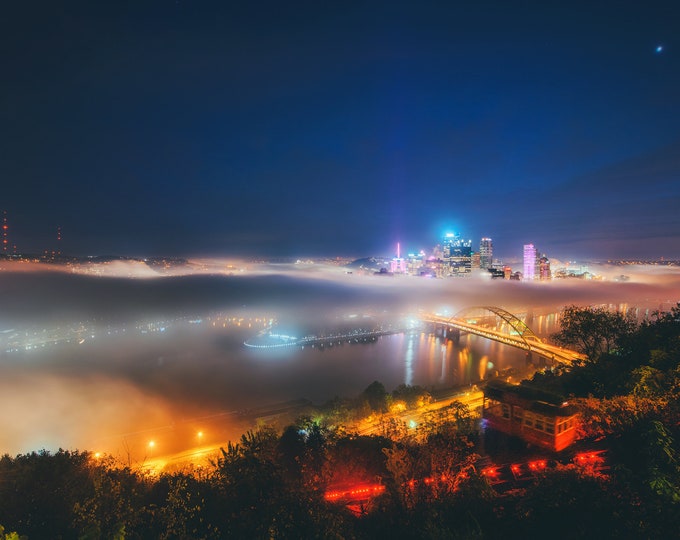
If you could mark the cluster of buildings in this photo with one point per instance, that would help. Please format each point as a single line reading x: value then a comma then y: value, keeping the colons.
x: 454, y: 256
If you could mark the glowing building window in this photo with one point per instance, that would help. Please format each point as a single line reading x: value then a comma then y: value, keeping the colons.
x: 538, y: 423
x: 517, y: 413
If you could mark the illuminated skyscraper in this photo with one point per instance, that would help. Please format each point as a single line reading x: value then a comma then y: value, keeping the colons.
x: 544, y: 268
x: 457, y: 255
x: 529, y: 262
x: 398, y: 264
x: 485, y: 253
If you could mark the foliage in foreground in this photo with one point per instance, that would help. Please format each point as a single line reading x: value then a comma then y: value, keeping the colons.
x: 271, y: 485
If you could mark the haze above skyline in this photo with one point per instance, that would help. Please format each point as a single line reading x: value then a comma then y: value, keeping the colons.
x: 185, y: 128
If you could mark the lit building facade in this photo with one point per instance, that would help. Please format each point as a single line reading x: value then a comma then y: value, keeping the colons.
x: 456, y: 255
x: 486, y: 253
x: 415, y: 263
x: 544, y: 269
x: 530, y: 259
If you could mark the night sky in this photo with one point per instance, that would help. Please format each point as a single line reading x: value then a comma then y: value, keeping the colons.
x: 340, y: 128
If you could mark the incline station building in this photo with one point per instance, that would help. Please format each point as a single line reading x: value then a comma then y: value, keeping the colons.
x: 537, y: 417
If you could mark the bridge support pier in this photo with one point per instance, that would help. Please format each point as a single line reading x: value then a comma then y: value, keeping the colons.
x: 454, y: 335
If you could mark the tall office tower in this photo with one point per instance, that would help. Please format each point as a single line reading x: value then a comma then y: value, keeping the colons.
x: 457, y: 255
x: 415, y: 263
x: 486, y: 253
x: 448, y: 243
x: 529, y: 262
x: 544, y: 268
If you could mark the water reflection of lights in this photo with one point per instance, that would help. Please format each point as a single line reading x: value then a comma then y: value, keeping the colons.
x: 410, y: 355
x: 483, y: 366
x: 442, y: 376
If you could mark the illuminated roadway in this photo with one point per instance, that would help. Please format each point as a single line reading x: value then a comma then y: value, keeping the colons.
x: 524, y: 338
x: 203, y: 455
x: 411, y: 418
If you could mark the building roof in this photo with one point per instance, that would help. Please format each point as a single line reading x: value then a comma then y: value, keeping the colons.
x: 542, y: 401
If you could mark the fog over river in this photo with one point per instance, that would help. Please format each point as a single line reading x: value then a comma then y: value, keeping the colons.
x: 110, y: 358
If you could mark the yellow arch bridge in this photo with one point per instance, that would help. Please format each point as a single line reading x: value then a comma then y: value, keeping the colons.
x: 500, y: 325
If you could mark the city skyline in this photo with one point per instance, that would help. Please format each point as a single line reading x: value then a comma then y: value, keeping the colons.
x: 431, y: 249
x: 182, y: 129
x: 480, y: 256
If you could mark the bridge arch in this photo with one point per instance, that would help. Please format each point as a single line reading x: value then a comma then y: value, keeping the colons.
x: 525, y: 333
x: 519, y: 335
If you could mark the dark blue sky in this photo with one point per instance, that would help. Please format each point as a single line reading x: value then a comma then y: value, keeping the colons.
x: 340, y: 128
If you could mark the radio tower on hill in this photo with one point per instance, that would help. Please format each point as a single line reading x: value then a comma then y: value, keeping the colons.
x: 5, y: 232
x: 59, y: 240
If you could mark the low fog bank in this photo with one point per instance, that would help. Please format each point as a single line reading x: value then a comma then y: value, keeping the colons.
x: 66, y: 298
x: 60, y: 298
x: 96, y: 413
x: 117, y: 390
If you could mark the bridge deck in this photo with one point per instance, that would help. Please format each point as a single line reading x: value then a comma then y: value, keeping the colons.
x: 528, y: 343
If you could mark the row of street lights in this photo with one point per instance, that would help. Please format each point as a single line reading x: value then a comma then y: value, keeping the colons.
x: 152, y: 444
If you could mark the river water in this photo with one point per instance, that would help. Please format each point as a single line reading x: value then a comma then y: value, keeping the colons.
x: 111, y: 389
x: 413, y: 358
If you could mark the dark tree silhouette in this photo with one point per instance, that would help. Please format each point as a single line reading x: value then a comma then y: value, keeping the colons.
x: 593, y: 331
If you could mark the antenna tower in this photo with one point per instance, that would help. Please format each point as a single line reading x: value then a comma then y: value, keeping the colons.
x: 5, y: 232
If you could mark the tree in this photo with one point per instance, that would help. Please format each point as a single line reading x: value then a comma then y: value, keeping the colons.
x: 593, y: 331
x: 115, y: 504
x: 38, y: 492
x: 10, y: 535
x: 571, y: 503
x: 376, y: 396
x: 412, y: 396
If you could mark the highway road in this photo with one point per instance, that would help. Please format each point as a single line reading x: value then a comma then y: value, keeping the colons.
x: 203, y: 455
